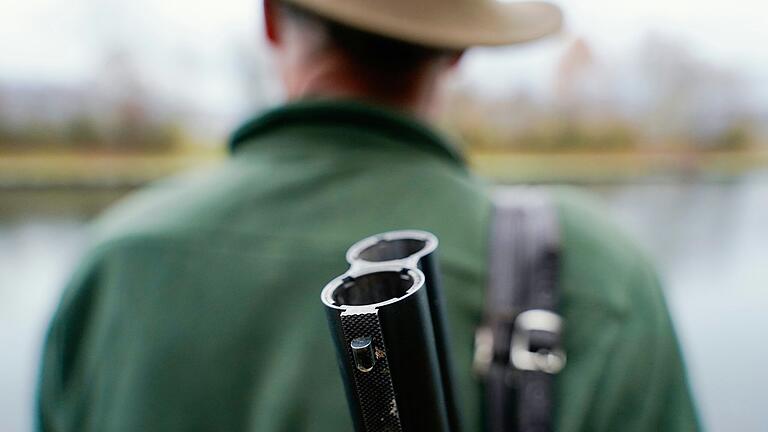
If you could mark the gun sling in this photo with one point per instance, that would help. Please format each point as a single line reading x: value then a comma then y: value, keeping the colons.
x: 518, y: 348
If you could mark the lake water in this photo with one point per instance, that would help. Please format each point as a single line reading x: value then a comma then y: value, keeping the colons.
x: 709, y: 238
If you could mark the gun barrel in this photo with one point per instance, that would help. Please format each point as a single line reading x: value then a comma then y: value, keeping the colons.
x: 382, y: 329
x: 417, y: 249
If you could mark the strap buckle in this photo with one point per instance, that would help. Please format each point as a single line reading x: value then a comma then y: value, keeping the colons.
x: 535, y: 344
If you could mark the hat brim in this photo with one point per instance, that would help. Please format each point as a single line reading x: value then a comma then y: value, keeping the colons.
x: 459, y: 25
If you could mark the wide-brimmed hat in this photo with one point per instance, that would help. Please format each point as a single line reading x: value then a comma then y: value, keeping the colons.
x: 444, y: 23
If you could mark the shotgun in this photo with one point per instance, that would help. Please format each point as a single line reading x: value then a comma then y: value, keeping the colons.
x: 390, y: 331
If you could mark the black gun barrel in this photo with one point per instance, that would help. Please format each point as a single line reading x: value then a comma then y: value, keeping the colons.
x: 381, y: 325
x: 417, y: 249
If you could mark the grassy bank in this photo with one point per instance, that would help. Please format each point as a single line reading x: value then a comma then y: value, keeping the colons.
x: 589, y: 167
x: 42, y: 170
x: 31, y: 169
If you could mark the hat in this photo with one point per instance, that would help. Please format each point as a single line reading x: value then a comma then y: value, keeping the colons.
x: 454, y: 24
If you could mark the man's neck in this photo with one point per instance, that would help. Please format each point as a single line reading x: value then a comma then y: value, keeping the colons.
x: 334, y: 79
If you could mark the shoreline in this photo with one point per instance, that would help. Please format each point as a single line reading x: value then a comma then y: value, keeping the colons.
x: 80, y: 170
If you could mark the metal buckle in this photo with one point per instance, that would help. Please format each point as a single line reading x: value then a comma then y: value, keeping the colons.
x: 549, y: 360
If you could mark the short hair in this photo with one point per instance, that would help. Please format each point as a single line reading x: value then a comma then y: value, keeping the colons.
x: 367, y: 49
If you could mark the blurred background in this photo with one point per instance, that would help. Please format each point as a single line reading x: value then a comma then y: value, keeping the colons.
x: 660, y: 107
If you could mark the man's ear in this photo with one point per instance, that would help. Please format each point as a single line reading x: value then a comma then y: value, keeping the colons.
x: 456, y: 57
x: 271, y: 21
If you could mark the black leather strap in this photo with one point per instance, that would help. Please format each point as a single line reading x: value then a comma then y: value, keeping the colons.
x: 518, y: 349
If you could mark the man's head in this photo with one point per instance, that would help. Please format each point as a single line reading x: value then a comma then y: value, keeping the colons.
x: 318, y: 57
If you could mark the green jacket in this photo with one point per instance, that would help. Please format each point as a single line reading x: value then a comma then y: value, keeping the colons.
x: 197, y: 307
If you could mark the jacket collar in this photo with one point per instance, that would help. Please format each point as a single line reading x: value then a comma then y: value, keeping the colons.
x: 345, y: 114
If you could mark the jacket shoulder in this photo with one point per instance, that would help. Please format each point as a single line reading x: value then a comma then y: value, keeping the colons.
x: 175, y: 206
x: 619, y: 332
x: 607, y: 267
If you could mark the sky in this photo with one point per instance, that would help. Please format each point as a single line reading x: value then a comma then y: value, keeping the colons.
x: 189, y: 48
